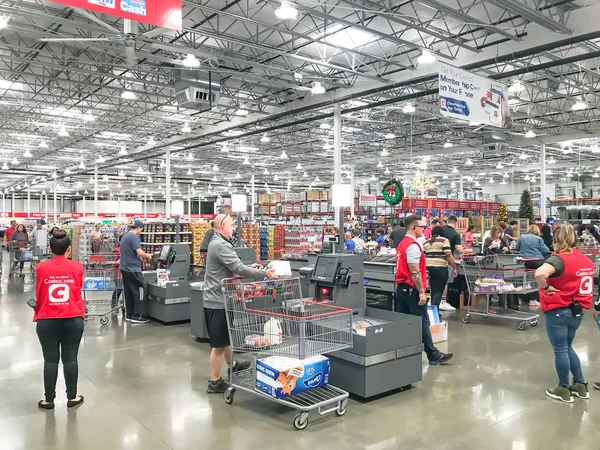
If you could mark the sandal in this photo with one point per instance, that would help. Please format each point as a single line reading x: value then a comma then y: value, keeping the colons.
x: 72, y: 403
x: 47, y: 405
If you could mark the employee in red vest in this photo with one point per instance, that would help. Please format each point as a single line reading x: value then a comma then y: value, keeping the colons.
x: 411, y: 281
x: 566, y: 281
x: 59, y: 315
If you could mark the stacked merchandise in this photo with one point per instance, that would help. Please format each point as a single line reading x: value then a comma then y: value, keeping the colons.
x: 278, y: 242
x: 251, y: 236
x: 155, y: 235
x: 199, y: 229
x: 81, y: 243
x: 303, y: 237
x: 264, y: 242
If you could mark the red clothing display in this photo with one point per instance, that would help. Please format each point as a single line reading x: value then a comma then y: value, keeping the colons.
x: 58, y: 289
x: 576, y: 283
x: 402, y: 272
x: 8, y: 233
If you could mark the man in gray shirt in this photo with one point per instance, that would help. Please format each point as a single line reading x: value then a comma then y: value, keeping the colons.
x: 131, y: 255
x: 223, y: 262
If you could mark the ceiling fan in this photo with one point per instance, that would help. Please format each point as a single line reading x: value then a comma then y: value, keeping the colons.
x: 128, y: 37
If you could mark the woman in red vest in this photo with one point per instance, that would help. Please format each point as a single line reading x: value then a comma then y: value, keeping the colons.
x: 59, y: 314
x: 566, y: 282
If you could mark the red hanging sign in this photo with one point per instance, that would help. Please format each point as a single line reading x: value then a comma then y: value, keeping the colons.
x: 162, y: 13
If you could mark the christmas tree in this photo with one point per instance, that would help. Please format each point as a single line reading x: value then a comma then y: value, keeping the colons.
x: 469, y: 216
x: 503, y: 213
x: 526, y: 208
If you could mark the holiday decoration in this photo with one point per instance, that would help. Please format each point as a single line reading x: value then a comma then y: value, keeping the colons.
x: 393, y: 192
x: 526, y: 208
x: 469, y: 216
x: 503, y: 213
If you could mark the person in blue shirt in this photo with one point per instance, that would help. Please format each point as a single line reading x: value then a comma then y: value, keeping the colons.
x: 380, y: 239
x: 348, y: 242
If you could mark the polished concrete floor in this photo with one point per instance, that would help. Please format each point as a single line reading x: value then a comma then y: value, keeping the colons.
x: 145, y: 389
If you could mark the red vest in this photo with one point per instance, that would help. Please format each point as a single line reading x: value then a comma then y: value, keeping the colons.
x: 402, y: 272
x: 576, y: 283
x: 58, y: 289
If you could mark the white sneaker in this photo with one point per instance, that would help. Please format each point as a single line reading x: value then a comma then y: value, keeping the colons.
x: 445, y: 306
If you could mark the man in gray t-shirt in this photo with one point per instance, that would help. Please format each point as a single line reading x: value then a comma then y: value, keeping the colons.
x: 131, y: 255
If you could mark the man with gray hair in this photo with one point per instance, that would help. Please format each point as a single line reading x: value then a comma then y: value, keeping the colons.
x: 223, y: 262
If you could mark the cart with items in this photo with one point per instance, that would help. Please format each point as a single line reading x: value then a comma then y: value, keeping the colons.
x: 21, y: 255
x: 102, y: 285
x: 270, y: 319
x: 488, y: 277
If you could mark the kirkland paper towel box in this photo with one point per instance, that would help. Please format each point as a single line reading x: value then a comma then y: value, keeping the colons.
x: 280, y: 377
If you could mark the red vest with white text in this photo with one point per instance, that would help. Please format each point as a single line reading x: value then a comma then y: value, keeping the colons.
x: 402, y: 272
x: 575, y: 284
x: 58, y: 289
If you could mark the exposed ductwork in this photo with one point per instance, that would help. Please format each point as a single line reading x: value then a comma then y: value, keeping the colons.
x: 198, y: 90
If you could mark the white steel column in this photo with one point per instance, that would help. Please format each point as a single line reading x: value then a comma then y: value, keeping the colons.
x: 118, y: 207
x: 145, y: 205
x: 337, y: 169
x: 3, y: 204
x: 461, y: 194
x: 252, y: 195
x: 46, y: 200
x: 353, y: 190
x: 543, y: 183
x: 55, y: 203
x: 28, y: 202
x: 96, y: 193
x: 83, y: 207
x: 168, y: 186
x: 189, y: 202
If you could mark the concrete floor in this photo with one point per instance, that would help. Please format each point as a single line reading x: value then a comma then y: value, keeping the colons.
x: 145, y: 389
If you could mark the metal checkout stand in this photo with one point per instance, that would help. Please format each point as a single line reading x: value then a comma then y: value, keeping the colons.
x: 169, y: 303
x: 386, y: 352
x: 380, y: 281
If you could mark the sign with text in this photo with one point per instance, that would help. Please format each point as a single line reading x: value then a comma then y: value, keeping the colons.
x: 162, y: 13
x: 367, y: 200
x: 470, y: 97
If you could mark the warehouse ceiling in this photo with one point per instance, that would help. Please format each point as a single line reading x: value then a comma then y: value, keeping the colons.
x: 109, y: 101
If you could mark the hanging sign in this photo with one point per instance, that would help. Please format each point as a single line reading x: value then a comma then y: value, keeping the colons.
x: 470, y: 97
x: 367, y: 200
x: 162, y: 13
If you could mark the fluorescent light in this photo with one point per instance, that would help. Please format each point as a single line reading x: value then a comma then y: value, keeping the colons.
x: 324, y: 126
x: 283, y: 155
x: 385, y: 152
x: 128, y: 95
x: 151, y: 141
x: 426, y: 57
x: 516, y: 87
x: 447, y: 144
x: 43, y: 144
x: 265, y: 138
x: 63, y: 131
x: 286, y: 11
x: 408, y: 108
x: 3, y: 22
x: 474, y: 124
x: 390, y: 136
x: 579, y: 106
x: 123, y: 150
x: 191, y: 61
x: 186, y: 128
x: 27, y: 153
x: 530, y: 134
x: 317, y: 88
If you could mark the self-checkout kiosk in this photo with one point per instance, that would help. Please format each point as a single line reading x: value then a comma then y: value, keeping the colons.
x: 168, y: 301
x: 387, y: 346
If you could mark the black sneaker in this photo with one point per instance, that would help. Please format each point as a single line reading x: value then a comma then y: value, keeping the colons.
x: 139, y: 319
x: 217, y: 387
x: 443, y: 358
x: 127, y: 318
x: 239, y: 366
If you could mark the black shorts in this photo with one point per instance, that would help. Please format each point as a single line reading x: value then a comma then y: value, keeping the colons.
x: 216, y: 324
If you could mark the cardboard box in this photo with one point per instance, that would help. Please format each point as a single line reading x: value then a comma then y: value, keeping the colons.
x: 264, y: 198
x: 281, y: 377
x: 324, y: 195
x: 313, y: 195
x: 439, y: 332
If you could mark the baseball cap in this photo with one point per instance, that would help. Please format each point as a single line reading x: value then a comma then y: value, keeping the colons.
x: 137, y: 224
x: 435, y: 221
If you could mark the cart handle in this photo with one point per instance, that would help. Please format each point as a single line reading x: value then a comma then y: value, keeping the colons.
x: 314, y: 316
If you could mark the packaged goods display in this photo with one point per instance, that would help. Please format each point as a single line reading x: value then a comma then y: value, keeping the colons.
x: 198, y: 229
x: 156, y: 234
x: 272, y: 241
x: 281, y: 377
x: 303, y: 237
x: 251, y: 236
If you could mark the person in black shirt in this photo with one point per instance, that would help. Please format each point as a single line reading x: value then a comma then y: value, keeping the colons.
x: 397, y: 235
x: 450, y: 233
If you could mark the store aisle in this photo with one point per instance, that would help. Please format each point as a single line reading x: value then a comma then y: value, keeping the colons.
x: 145, y: 389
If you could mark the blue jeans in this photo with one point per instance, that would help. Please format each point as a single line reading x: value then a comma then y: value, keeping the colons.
x: 561, y: 327
x: 407, y: 302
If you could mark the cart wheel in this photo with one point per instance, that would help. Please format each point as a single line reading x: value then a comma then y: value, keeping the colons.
x: 533, y: 322
x: 486, y: 317
x: 466, y: 318
x: 103, y: 320
x: 521, y: 326
x: 301, y: 421
x: 229, y: 395
x: 342, y: 408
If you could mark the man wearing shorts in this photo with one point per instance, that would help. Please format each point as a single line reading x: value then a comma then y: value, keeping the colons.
x: 223, y: 262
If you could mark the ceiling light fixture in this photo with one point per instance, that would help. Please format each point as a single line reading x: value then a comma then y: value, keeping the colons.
x: 151, y: 141
x: 163, y: 164
x: 317, y: 88
x: 139, y: 170
x: 324, y: 126
x: 5, y: 166
x: 469, y: 162
x: 190, y: 157
x: 474, y: 124
x: 408, y: 108
x: 516, y: 87
x: 426, y: 57
x: 380, y: 164
x: 304, y: 175
x: 241, y: 112
x: 3, y: 22
x: 128, y: 95
x: 530, y: 134
x: 63, y: 131
x: 43, y: 144
x: 15, y: 162
x: 246, y: 161
x: 454, y: 170
x: 238, y: 176
x: 317, y: 179
x: 385, y: 152
x: 27, y: 153
x: 266, y: 172
x: 579, y: 105
x: 387, y: 170
x: 88, y: 117
x: 189, y: 171
x: 447, y: 144
x: 299, y: 166
x: 190, y: 61
x: 286, y: 11
x: 265, y: 138
x: 186, y: 128
x: 215, y: 168
x: 123, y: 151
x: 499, y: 166
x: 390, y: 136
x: 283, y: 155
x: 552, y: 161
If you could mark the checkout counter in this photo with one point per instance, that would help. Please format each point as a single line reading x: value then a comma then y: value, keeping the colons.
x: 380, y: 281
x: 169, y: 302
x: 387, y: 346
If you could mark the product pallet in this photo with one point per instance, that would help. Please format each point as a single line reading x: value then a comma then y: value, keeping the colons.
x: 198, y: 229
x: 158, y: 234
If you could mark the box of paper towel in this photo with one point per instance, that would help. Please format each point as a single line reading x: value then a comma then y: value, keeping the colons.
x: 281, y: 377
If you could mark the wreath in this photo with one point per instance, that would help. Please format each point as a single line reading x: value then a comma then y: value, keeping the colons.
x: 393, y: 192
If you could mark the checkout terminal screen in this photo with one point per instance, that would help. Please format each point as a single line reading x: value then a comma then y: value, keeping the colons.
x: 164, y: 253
x: 325, y: 269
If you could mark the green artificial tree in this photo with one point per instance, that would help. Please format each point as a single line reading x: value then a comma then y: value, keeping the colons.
x: 526, y: 208
x: 469, y: 216
x: 503, y: 213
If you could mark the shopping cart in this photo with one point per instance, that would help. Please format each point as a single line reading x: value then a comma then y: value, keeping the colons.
x: 486, y: 277
x: 99, y: 293
x: 18, y: 257
x: 304, y: 329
